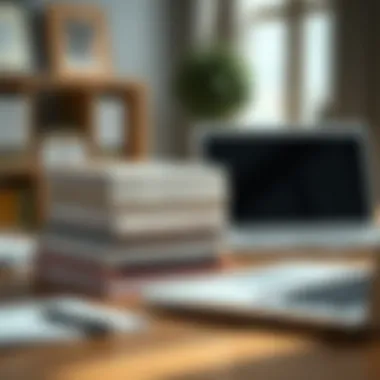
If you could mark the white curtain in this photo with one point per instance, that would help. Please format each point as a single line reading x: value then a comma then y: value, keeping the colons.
x: 204, y: 21
x: 213, y: 20
x: 357, y: 87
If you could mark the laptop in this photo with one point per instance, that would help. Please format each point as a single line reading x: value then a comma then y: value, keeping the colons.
x: 296, y: 188
x: 290, y: 189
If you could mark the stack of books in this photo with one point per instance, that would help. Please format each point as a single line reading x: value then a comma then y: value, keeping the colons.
x: 114, y: 227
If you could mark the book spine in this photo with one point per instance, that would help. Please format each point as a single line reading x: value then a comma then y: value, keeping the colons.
x: 141, y: 223
x: 102, y: 268
x: 97, y: 200
x: 142, y: 190
x: 63, y: 273
x: 177, y: 252
x: 122, y: 287
x: 99, y: 237
x: 84, y: 278
x: 147, y: 206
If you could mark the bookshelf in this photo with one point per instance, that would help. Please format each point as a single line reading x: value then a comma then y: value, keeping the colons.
x: 76, y: 99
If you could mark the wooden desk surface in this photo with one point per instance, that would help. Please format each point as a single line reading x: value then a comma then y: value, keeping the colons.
x: 186, y: 349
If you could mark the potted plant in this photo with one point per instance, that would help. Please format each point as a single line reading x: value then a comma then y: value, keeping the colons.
x: 212, y: 83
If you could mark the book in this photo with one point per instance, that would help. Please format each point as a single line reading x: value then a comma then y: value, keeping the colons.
x: 9, y: 216
x: 99, y: 280
x: 129, y: 195
x: 121, y: 171
x: 127, y: 267
x: 103, y: 237
x: 139, y: 224
x: 129, y: 183
x: 177, y: 252
x: 64, y: 199
x: 113, y: 227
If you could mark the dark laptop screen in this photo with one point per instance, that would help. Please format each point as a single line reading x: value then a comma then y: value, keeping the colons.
x: 277, y: 179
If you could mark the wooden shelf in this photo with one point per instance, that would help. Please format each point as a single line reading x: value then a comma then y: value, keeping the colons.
x: 48, y: 82
x: 89, y: 84
x: 13, y: 83
x: 18, y: 169
x: 77, y: 97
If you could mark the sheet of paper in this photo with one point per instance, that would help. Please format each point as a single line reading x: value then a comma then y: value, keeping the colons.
x: 25, y: 323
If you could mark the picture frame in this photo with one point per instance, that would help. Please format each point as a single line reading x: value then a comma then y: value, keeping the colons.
x: 78, y: 40
x: 15, y: 44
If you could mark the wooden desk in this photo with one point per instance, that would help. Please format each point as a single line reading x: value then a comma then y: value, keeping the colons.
x: 176, y: 348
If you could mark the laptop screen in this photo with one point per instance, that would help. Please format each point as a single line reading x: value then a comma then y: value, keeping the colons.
x: 278, y: 179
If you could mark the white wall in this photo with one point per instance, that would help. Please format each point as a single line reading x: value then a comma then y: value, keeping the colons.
x: 140, y: 45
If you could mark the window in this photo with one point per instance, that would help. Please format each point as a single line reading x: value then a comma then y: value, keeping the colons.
x: 316, y: 73
x: 288, y: 44
x: 268, y: 61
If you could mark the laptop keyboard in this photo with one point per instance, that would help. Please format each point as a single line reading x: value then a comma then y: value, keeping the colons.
x: 345, y: 294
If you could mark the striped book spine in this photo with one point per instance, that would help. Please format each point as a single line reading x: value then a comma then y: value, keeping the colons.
x: 98, y: 279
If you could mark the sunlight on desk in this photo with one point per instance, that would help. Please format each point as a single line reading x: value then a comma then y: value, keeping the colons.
x: 217, y: 351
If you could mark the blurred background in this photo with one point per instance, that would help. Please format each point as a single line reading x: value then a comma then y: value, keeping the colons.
x: 311, y: 58
x: 305, y: 62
